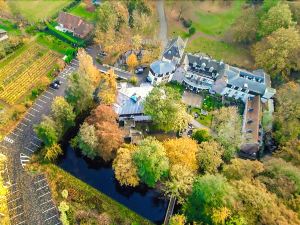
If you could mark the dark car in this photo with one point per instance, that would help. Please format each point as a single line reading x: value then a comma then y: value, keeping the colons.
x: 54, y: 85
x: 102, y: 53
x: 189, y: 133
x: 58, y: 82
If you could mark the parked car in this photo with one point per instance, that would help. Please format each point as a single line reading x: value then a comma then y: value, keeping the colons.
x: 58, y: 82
x: 189, y: 133
x: 102, y: 53
x: 54, y: 85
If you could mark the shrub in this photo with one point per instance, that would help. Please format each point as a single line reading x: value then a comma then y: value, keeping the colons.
x: 187, y: 23
x: 192, y: 31
x: 133, y: 80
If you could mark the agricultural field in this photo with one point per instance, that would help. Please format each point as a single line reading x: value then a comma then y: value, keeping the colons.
x: 211, y: 20
x: 37, y: 10
x: 18, y: 75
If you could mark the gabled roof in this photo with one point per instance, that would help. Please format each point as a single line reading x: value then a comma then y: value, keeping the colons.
x: 175, y: 48
x: 75, y: 23
x: 3, y: 31
x: 162, y: 67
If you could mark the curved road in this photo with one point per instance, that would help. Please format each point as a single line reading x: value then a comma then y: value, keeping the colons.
x: 163, y: 27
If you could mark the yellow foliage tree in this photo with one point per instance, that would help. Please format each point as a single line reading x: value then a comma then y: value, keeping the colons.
x: 182, y: 151
x: 132, y: 61
x: 124, y: 167
x: 220, y: 215
x: 136, y: 42
x: 87, y: 68
x: 53, y: 152
x: 108, y: 87
x: 177, y: 219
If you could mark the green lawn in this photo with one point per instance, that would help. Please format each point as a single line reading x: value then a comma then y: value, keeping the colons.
x: 204, y: 120
x: 38, y: 9
x: 229, y: 53
x: 217, y: 23
x: 9, y: 26
x: 81, y: 11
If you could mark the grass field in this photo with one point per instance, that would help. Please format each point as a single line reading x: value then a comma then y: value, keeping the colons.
x: 87, y: 200
x: 9, y: 26
x: 81, y: 11
x: 38, y: 9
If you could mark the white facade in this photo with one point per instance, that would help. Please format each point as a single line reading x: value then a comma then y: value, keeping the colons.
x: 157, y: 79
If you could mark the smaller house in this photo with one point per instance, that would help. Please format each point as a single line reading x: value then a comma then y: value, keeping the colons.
x: 161, y: 72
x: 129, y: 102
x: 174, y: 51
x: 251, y: 129
x: 3, y: 35
x: 74, y: 24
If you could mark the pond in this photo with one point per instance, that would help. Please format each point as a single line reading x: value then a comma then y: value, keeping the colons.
x: 143, y: 200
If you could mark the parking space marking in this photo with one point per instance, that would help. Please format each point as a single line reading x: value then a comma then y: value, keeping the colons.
x: 52, y: 88
x: 44, y: 194
x: 40, y: 180
x: 45, y: 96
x: 21, y: 222
x: 42, y: 187
x: 62, y: 77
x: 2, y: 146
x: 51, y: 217
x: 15, y: 207
x: 17, y: 215
x: 49, y: 92
x: 42, y: 101
x: 36, y: 138
x: 31, y: 114
x: 39, y: 105
x: 16, y: 199
x: 29, y: 149
x: 35, y: 109
x: 46, y: 202
x: 14, y: 134
x: 23, y: 124
x: 34, y: 144
x: 49, y: 209
x: 10, y: 140
x: 27, y: 119
x: 19, y: 129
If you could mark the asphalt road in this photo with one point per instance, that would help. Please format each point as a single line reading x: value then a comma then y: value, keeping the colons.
x: 30, y: 201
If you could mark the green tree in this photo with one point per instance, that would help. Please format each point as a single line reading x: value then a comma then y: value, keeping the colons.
x: 279, y: 16
x: 279, y: 52
x: 227, y: 125
x: 62, y: 113
x: 163, y: 104
x: 53, y: 152
x: 86, y: 140
x: 209, y: 192
x: 79, y: 93
x: 151, y: 161
x: 240, y: 168
x: 106, y: 17
x: 46, y: 131
x: 290, y: 152
x: 287, y: 124
x: 201, y: 135
x: 210, y: 156
x: 245, y: 28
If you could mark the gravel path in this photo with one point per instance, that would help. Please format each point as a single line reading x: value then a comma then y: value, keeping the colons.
x: 163, y: 27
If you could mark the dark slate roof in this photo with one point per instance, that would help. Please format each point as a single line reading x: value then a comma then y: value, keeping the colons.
x: 162, y: 67
x: 75, y: 23
x: 175, y: 48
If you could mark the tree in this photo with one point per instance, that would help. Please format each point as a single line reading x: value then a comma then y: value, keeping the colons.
x: 87, y: 140
x: 180, y: 183
x: 124, y: 167
x: 220, y: 215
x: 109, y: 136
x: 167, y: 111
x: 106, y: 17
x: 290, y: 152
x: 53, y: 152
x: 132, y: 61
x: 79, y: 93
x: 46, y: 131
x: 210, y: 156
x: 279, y: 52
x: 182, y: 152
x: 227, y: 125
x: 201, y: 135
x: 151, y: 161
x: 279, y: 16
x: 239, y: 169
x: 62, y: 113
x: 287, y: 124
x: 209, y: 192
x: 245, y: 28
x: 87, y: 68
x: 108, y: 88
x: 136, y: 42
x: 177, y: 219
